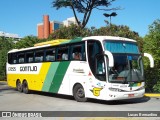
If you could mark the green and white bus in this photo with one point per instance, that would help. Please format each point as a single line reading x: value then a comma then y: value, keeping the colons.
x: 98, y: 67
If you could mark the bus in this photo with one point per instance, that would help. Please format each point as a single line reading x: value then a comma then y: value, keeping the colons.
x: 98, y: 67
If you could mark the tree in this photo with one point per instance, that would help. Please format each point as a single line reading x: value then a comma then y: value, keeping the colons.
x: 27, y: 41
x: 70, y: 32
x: 74, y: 31
x: 84, y: 7
x: 6, y: 44
x: 152, y: 46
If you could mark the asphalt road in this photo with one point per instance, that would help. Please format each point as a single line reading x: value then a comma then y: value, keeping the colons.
x: 12, y: 100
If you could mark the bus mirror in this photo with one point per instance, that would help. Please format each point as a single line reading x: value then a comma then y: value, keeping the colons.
x: 150, y: 59
x: 110, y: 58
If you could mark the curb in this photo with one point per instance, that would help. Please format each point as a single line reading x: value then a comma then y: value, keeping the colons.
x: 3, y: 81
x: 151, y: 95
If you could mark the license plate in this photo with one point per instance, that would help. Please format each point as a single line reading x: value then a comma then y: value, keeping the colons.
x: 130, y: 95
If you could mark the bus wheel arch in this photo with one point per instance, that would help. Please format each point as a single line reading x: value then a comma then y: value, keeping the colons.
x: 19, y: 85
x: 79, y: 93
x: 25, y: 87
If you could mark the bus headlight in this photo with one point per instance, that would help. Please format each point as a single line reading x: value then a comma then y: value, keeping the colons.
x: 141, y: 88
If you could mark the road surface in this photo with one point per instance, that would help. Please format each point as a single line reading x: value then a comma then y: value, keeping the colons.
x: 12, y: 100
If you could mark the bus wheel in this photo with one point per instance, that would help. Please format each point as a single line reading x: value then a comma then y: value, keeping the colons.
x: 19, y: 86
x: 79, y: 94
x: 25, y: 87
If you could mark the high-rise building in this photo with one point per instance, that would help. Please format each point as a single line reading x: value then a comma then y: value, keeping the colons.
x: 47, y: 27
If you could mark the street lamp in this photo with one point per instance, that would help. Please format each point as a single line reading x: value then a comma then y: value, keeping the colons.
x: 110, y: 15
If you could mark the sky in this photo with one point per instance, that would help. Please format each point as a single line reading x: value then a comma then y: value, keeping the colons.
x: 22, y: 16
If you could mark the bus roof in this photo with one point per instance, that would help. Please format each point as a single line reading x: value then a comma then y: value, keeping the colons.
x: 101, y: 38
x: 49, y: 43
x: 65, y: 41
x: 59, y: 42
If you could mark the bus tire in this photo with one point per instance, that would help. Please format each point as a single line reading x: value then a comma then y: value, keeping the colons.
x: 25, y: 87
x: 79, y: 93
x: 19, y: 86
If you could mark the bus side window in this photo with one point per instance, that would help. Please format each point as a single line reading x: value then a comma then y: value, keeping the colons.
x: 29, y: 57
x: 50, y: 55
x: 78, y: 52
x: 62, y: 53
x: 21, y: 58
x: 39, y: 55
x: 12, y: 58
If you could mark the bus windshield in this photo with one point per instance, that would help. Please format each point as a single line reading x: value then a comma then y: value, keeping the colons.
x: 121, y: 47
x: 128, y: 66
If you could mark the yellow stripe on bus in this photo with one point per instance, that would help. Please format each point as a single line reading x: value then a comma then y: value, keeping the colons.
x: 52, y: 42
x: 42, y: 75
x: 35, y: 81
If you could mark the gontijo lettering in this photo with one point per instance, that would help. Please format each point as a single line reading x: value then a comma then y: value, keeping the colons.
x: 28, y: 68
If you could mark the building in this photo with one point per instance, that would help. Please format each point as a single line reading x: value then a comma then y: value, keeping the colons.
x: 69, y: 21
x: 10, y: 35
x: 47, y: 27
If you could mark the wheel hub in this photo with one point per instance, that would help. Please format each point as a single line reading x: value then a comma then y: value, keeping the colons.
x: 80, y: 93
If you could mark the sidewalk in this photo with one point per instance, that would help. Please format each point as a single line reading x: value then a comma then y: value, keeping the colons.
x: 146, y: 94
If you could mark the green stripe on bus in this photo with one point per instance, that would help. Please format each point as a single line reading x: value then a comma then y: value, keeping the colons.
x: 78, y: 39
x: 49, y: 77
x: 58, y: 77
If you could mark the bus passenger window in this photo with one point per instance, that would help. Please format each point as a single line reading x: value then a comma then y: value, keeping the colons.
x: 39, y: 56
x: 14, y: 61
x: 77, y: 52
x: 50, y: 55
x: 21, y: 58
x: 62, y: 53
x: 12, y: 58
x: 76, y: 56
x: 29, y: 57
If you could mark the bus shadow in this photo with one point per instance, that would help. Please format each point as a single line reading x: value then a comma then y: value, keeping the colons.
x: 113, y: 102
x: 121, y: 102
x: 47, y: 94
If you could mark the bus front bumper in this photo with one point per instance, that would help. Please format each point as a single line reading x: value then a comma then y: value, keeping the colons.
x: 125, y: 95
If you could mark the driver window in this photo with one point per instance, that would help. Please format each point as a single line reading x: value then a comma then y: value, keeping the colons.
x: 100, y: 68
x: 94, y: 48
